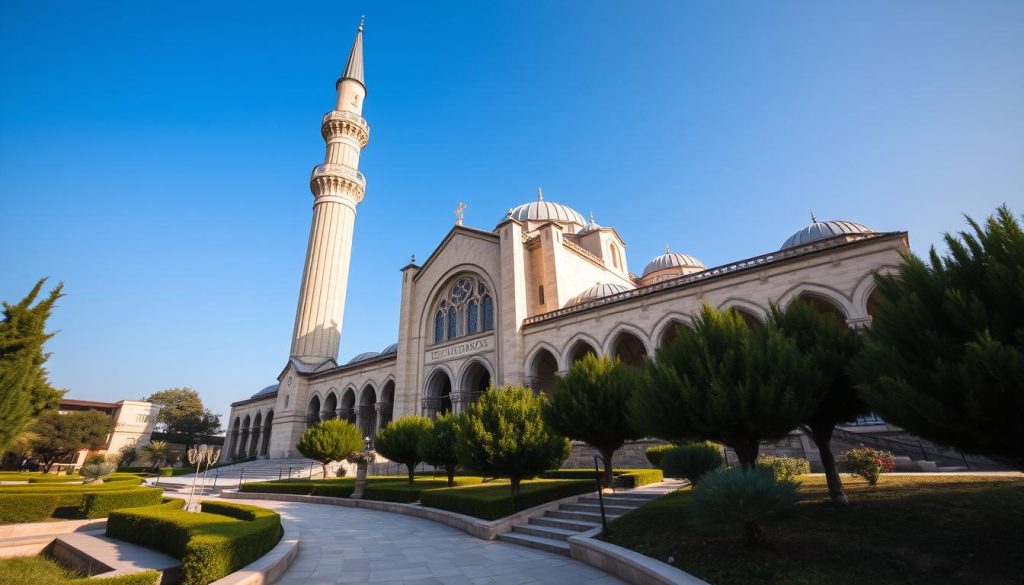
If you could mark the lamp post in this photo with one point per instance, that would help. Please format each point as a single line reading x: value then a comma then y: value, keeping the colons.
x: 361, y: 459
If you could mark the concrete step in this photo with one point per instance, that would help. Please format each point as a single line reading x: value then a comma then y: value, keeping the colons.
x: 545, y: 531
x: 585, y: 516
x: 616, y: 501
x: 596, y: 508
x: 560, y: 547
x: 576, y: 525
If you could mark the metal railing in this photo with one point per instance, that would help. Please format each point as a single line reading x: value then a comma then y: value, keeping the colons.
x: 338, y: 170
x: 336, y: 116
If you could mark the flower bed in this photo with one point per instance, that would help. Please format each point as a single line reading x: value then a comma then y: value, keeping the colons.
x: 211, y: 544
x: 494, y: 500
x: 385, y: 489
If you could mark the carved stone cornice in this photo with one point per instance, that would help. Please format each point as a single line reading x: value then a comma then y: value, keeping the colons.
x: 336, y: 123
x: 337, y: 179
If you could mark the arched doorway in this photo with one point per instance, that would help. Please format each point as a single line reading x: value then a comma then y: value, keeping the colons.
x: 629, y: 349
x: 579, y: 350
x: 386, y: 406
x: 348, y: 406
x: 368, y: 411
x: 542, y: 371
x: 824, y: 305
x: 254, y: 443
x: 313, y: 412
x: 245, y: 437
x: 475, y: 381
x: 330, y: 406
x: 235, y: 429
x: 751, y: 319
x: 267, y: 426
x: 439, y: 394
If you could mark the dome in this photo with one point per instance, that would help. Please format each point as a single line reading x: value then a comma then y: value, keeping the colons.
x: 266, y: 391
x: 822, y: 230
x: 393, y: 348
x: 364, y: 356
x: 592, y: 226
x: 599, y: 290
x: 541, y: 210
x: 682, y: 262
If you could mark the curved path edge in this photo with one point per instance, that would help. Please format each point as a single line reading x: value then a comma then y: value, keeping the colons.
x: 269, y: 567
x: 630, y: 566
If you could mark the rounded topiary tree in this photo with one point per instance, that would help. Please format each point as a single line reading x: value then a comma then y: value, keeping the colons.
x: 692, y: 460
x: 437, y: 444
x: 591, y: 404
x: 331, y: 440
x: 504, y: 434
x: 399, y: 441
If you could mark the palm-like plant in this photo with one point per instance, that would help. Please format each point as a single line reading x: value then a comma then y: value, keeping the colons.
x: 94, y: 472
x: 155, y: 453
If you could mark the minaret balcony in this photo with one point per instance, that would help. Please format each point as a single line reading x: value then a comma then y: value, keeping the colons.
x: 328, y: 177
x: 338, y: 122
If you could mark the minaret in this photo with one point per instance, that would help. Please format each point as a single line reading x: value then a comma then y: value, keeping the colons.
x: 337, y: 188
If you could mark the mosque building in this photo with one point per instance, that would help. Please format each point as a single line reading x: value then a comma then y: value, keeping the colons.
x: 517, y: 303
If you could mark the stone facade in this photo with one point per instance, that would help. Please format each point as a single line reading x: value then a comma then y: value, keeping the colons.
x: 519, y: 303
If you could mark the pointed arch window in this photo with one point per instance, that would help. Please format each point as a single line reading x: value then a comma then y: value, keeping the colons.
x: 465, y: 309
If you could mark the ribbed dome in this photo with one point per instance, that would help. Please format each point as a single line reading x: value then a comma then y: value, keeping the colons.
x: 541, y: 210
x: 600, y: 290
x: 266, y: 391
x: 393, y: 348
x: 364, y: 356
x: 821, y: 230
x: 592, y: 226
x: 673, y: 260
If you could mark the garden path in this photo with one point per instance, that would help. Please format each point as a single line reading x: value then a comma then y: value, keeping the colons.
x: 350, y: 545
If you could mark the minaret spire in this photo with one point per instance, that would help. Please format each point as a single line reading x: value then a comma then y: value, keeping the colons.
x: 337, y: 187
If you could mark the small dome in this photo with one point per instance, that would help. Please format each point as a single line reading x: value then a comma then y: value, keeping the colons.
x: 393, y: 348
x: 599, y: 290
x: 364, y: 356
x: 822, y: 230
x: 592, y: 226
x: 266, y: 391
x: 682, y: 262
x: 541, y: 210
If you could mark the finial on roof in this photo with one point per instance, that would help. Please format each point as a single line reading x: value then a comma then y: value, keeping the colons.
x: 592, y: 222
x: 540, y: 194
x: 813, y: 219
x: 412, y: 259
x: 509, y: 213
x: 667, y: 250
x: 362, y: 21
x: 460, y: 210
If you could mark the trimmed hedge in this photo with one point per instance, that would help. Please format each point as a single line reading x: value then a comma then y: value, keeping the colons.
x: 628, y: 478
x: 215, y: 542
x: 31, y: 503
x: 143, y: 578
x: 655, y: 453
x: 384, y: 489
x: 784, y: 468
x: 494, y: 500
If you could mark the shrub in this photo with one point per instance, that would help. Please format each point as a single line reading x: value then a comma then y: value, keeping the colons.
x: 784, y: 468
x: 868, y: 463
x: 655, y: 453
x: 384, y: 489
x: 503, y: 434
x: 96, y: 471
x: 742, y: 498
x: 399, y: 441
x: 493, y: 500
x: 211, y: 544
x: 692, y: 461
x: 331, y: 440
x: 437, y: 445
x: 27, y: 507
x: 99, y: 505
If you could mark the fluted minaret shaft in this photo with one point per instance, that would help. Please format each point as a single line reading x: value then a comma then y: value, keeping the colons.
x: 337, y: 187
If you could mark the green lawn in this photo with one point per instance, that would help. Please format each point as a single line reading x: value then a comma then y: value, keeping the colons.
x: 33, y: 571
x: 385, y: 488
x: 910, y: 529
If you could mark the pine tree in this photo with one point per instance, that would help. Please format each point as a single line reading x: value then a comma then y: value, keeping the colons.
x: 331, y: 440
x: 437, y: 444
x: 945, y: 354
x: 832, y: 346
x: 25, y: 391
x: 591, y: 404
x: 728, y: 382
x: 399, y: 441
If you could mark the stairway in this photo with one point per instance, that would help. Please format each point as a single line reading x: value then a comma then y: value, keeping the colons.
x: 551, y: 531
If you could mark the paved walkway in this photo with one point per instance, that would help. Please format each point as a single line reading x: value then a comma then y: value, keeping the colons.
x: 350, y: 545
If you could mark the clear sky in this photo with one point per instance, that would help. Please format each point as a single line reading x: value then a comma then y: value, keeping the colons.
x: 155, y: 156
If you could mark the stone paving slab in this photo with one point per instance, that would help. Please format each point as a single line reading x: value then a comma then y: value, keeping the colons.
x: 352, y: 545
x: 115, y: 555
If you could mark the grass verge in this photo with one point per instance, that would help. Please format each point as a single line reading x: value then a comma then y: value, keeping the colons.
x: 494, y: 500
x: 909, y: 529
x: 382, y: 488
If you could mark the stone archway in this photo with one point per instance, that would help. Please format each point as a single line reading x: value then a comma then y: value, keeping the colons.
x: 386, y: 404
x: 330, y: 409
x: 367, y: 415
x: 347, y: 409
x: 438, y: 395
x: 268, y: 425
x: 670, y: 332
x: 542, y: 372
x: 476, y: 379
x: 243, y: 444
x: 235, y: 430
x: 629, y: 349
x: 313, y: 411
x: 254, y: 442
x: 578, y: 350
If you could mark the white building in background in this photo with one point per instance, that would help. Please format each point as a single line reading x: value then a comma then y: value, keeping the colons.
x: 516, y: 302
x: 133, y: 422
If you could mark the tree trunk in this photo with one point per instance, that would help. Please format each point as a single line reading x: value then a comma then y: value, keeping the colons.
x: 823, y: 439
x: 608, y: 476
x: 515, y: 485
x: 324, y: 465
x: 412, y: 472
x: 746, y: 452
x: 451, y: 475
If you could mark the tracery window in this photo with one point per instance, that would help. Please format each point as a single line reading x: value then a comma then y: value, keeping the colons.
x: 466, y: 308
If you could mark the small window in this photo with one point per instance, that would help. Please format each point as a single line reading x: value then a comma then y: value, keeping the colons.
x: 540, y: 295
x: 466, y: 309
x: 472, y: 317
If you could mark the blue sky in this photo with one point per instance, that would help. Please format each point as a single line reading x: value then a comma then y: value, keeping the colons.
x: 155, y: 156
